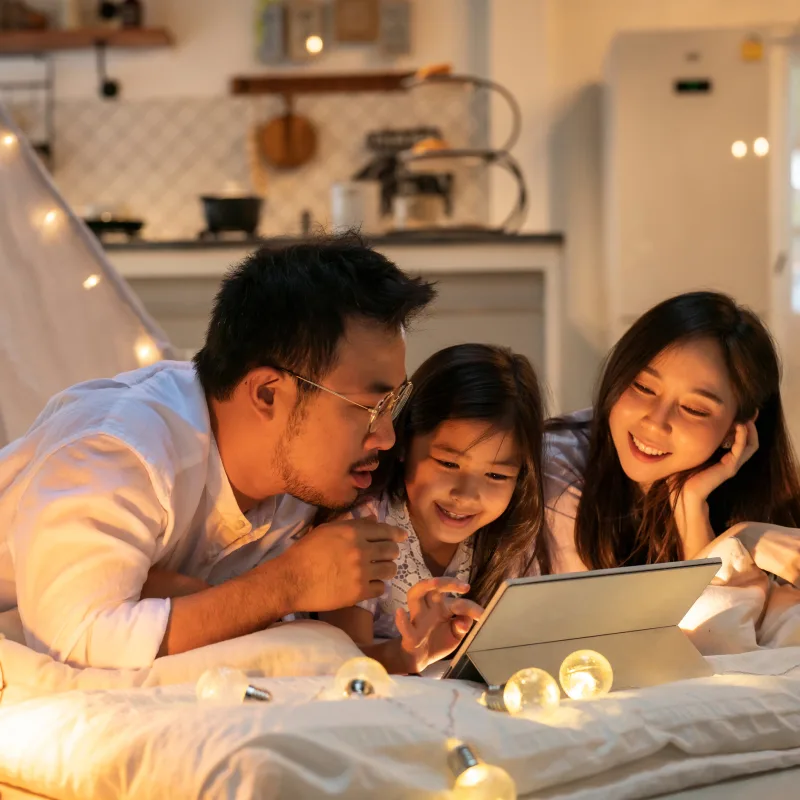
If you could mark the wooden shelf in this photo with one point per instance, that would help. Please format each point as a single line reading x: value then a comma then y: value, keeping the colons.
x: 50, y: 41
x: 300, y: 84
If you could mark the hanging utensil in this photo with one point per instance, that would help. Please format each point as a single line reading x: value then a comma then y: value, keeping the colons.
x: 288, y: 141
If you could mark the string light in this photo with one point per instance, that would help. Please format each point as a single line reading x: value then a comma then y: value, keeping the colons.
x: 314, y: 44
x: 477, y: 780
x: 91, y: 282
x: 146, y: 351
x: 8, y: 140
x: 585, y: 674
x: 226, y: 686
x: 362, y: 677
x: 526, y: 693
x: 761, y: 147
x: 739, y: 149
x: 49, y: 221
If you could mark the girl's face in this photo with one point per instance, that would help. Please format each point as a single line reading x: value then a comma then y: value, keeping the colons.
x: 457, y: 481
x: 675, y: 414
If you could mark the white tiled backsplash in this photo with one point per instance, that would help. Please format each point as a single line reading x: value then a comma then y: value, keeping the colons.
x: 154, y: 159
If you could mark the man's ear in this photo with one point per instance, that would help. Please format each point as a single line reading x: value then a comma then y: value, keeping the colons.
x: 263, y: 386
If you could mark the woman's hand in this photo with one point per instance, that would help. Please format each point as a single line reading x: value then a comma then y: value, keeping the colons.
x: 435, y: 623
x: 691, y: 503
x: 745, y: 443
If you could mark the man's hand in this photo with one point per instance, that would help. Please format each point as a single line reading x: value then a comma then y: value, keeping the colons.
x: 341, y: 563
x: 434, y: 624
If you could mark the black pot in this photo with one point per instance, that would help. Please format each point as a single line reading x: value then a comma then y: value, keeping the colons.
x: 232, y: 214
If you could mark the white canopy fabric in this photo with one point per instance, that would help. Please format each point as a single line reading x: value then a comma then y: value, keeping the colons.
x: 65, y: 315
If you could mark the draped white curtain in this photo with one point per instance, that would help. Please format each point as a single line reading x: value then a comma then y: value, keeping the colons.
x: 65, y: 314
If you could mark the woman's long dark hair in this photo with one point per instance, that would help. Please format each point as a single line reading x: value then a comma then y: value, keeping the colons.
x: 618, y: 526
x: 492, y: 384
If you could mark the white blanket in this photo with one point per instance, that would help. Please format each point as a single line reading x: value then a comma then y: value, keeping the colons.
x: 126, y: 734
x: 161, y: 742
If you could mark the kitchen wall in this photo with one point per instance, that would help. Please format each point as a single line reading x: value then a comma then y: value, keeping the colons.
x: 152, y: 159
x: 176, y: 134
x: 550, y: 53
x: 214, y: 40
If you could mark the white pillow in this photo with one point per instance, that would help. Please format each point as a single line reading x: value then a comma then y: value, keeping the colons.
x: 301, y: 648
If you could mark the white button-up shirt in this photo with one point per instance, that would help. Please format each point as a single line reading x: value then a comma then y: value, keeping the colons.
x: 114, y: 477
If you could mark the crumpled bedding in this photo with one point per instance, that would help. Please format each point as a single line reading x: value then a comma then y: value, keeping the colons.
x: 753, y: 602
x: 67, y: 733
x: 161, y: 742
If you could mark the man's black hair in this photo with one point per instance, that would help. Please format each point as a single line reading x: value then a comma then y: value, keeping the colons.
x: 287, y: 306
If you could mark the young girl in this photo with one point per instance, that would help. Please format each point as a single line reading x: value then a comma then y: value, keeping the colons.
x: 686, y: 438
x: 463, y: 481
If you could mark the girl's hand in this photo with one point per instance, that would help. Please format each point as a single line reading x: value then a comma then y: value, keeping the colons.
x: 434, y: 624
x: 745, y: 443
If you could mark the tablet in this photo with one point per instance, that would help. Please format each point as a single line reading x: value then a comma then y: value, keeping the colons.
x: 629, y: 614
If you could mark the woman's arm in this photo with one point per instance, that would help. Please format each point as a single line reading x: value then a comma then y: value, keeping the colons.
x: 774, y: 549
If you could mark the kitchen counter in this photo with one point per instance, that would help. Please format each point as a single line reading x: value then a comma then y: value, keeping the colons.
x: 442, y: 237
x: 498, y: 288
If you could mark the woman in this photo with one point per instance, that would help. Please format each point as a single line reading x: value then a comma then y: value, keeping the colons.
x: 686, y: 438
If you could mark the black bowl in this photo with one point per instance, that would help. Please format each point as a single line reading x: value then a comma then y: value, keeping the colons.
x: 232, y: 213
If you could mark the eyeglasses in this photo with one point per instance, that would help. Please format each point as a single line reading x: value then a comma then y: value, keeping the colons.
x: 391, y: 404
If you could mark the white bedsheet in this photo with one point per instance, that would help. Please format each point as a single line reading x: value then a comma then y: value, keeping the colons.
x: 67, y: 733
x: 160, y: 742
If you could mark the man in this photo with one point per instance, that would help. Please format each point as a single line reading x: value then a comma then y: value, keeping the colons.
x: 152, y: 514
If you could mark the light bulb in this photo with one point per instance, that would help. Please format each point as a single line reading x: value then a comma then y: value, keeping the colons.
x: 91, y: 282
x: 739, y: 149
x: 314, y: 44
x: 9, y: 140
x: 476, y: 780
x: 223, y: 685
x: 761, y: 147
x: 525, y: 693
x: 363, y: 677
x: 51, y: 217
x: 585, y: 673
x: 146, y: 351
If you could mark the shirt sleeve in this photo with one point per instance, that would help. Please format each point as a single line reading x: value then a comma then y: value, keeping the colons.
x: 565, y: 464
x: 83, y: 540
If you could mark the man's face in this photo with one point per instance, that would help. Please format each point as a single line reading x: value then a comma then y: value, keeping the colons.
x: 326, y: 452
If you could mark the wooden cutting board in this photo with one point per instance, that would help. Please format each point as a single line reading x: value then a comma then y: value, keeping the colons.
x: 288, y: 141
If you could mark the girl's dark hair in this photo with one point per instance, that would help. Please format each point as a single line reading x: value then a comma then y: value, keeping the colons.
x: 482, y: 382
x: 615, y: 524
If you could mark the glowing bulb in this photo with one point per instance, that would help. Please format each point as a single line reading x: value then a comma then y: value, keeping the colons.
x: 363, y: 677
x: 223, y: 685
x: 9, y: 140
x: 585, y: 673
x: 146, y: 351
x: 48, y: 222
x: 476, y: 780
x: 739, y: 149
x: 761, y: 147
x: 91, y: 282
x: 525, y: 693
x: 314, y: 44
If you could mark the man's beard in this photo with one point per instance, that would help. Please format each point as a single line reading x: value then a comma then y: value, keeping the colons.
x: 297, y: 487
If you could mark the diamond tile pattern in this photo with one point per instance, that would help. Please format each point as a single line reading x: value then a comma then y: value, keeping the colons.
x: 153, y: 159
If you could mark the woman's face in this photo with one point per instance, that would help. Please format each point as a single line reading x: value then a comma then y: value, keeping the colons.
x: 675, y: 414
